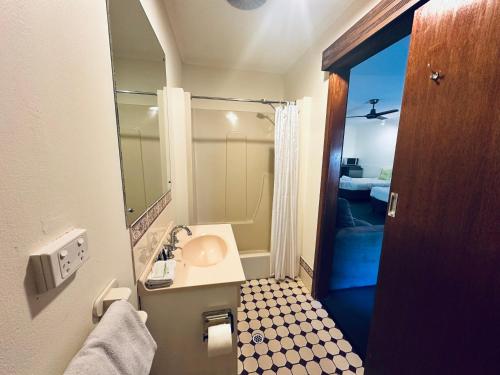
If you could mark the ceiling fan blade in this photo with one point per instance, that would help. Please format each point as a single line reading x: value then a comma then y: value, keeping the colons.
x: 354, y: 116
x: 387, y: 112
x: 381, y: 117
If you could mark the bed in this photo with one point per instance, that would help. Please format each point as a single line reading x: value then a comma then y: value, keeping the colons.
x: 379, y: 197
x: 359, y: 188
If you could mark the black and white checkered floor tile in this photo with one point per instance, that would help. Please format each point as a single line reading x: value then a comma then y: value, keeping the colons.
x: 283, y: 330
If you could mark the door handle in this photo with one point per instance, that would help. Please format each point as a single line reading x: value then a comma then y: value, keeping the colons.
x: 393, y: 203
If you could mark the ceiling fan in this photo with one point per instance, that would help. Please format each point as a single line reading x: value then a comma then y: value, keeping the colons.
x: 373, y: 112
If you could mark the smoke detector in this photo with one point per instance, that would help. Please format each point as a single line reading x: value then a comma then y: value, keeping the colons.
x: 246, y: 4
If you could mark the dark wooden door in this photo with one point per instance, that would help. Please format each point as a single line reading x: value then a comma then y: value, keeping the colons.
x: 437, y: 307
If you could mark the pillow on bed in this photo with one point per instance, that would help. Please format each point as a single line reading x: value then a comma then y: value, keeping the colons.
x: 344, y: 215
x: 385, y: 174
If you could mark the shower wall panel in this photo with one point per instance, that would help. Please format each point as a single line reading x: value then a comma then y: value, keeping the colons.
x: 233, y: 173
x: 141, y: 156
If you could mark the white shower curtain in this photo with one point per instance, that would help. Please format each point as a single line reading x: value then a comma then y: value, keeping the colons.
x: 284, y: 251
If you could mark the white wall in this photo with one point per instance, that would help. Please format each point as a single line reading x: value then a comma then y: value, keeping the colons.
x: 178, y: 108
x: 135, y: 74
x: 373, y: 142
x: 303, y: 208
x: 60, y: 169
x: 305, y: 79
x: 232, y: 83
x: 157, y: 15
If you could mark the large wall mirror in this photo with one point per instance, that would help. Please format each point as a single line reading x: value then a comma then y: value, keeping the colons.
x: 139, y: 78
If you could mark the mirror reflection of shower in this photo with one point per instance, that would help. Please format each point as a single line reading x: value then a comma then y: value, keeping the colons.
x: 262, y: 116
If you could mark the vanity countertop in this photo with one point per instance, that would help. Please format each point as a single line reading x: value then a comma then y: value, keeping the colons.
x: 228, y: 271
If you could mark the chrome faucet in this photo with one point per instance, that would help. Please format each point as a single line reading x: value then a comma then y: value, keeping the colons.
x: 169, y: 248
x: 177, y: 229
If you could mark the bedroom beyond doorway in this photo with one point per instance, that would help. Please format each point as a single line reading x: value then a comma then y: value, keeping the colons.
x: 371, y: 128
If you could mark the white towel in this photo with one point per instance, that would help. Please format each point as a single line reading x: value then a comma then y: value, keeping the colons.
x: 119, y: 345
x: 162, y: 274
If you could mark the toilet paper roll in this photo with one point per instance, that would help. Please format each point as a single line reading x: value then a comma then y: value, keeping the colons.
x: 220, y: 340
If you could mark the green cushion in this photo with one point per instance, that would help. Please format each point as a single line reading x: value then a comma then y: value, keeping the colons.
x: 385, y: 174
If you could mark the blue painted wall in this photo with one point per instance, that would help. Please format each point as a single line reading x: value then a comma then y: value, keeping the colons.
x: 381, y: 76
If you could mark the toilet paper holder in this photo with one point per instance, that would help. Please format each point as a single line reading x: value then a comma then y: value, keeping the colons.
x: 216, y: 317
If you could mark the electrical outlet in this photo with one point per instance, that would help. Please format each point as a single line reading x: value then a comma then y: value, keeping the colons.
x: 61, y: 258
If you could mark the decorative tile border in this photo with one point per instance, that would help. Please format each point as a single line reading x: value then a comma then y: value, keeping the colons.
x: 306, y: 267
x: 142, y: 224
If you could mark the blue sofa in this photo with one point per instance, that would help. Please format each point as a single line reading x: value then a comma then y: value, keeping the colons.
x: 358, y: 245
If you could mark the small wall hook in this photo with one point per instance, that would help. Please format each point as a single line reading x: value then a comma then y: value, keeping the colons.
x: 435, y: 75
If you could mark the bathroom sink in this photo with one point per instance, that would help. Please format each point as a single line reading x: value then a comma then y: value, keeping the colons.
x: 204, y: 251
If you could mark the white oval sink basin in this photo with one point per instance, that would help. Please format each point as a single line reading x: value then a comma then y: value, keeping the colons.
x: 204, y: 251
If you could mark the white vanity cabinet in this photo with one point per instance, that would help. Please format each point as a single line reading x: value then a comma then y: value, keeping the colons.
x: 175, y: 313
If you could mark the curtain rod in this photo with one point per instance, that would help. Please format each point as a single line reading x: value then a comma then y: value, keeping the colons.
x: 260, y: 101
x: 135, y: 92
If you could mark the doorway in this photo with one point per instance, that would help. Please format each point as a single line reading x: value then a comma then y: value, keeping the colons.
x: 371, y: 126
x: 438, y: 281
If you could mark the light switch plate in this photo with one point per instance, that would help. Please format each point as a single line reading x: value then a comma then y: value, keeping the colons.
x: 61, y: 258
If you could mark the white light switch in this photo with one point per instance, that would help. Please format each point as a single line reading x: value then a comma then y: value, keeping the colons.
x: 58, y: 260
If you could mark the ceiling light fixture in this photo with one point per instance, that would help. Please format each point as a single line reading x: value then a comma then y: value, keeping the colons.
x: 246, y: 4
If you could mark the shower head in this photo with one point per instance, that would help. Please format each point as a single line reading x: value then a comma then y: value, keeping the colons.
x: 246, y: 4
x: 262, y: 116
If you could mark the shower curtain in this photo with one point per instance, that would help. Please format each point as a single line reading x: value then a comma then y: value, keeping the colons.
x: 284, y: 249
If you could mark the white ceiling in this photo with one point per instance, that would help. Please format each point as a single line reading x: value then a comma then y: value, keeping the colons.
x: 268, y: 39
